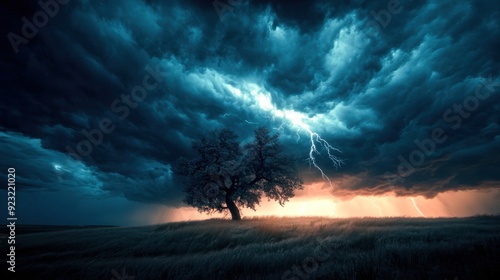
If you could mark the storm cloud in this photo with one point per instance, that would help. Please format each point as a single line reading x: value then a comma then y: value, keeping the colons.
x: 407, y: 90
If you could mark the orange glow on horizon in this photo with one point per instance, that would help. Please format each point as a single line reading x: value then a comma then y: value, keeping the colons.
x: 317, y: 201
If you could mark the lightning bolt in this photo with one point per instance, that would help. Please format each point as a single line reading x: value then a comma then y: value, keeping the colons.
x: 316, y: 139
x: 375, y: 205
x: 257, y: 97
x: 249, y: 122
x: 298, y: 121
x: 416, y: 207
x: 280, y: 127
x: 298, y: 135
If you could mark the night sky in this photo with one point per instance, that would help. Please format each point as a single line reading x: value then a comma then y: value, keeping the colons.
x: 103, y: 99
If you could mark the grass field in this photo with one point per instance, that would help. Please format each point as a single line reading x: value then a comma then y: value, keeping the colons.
x: 268, y: 248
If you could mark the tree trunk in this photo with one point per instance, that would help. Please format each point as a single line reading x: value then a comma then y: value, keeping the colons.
x: 235, y: 213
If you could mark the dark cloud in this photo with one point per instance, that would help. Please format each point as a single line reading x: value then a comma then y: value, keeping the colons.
x: 370, y: 93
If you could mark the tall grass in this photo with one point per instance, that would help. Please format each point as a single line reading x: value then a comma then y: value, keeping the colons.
x: 265, y: 248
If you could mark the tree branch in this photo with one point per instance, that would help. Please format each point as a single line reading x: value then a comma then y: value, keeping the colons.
x: 257, y: 178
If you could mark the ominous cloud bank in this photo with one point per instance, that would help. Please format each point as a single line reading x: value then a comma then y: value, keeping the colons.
x: 412, y: 101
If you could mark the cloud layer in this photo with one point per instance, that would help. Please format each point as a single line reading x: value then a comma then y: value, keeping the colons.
x: 381, y: 94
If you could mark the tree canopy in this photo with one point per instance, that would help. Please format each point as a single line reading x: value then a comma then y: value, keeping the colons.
x: 227, y: 175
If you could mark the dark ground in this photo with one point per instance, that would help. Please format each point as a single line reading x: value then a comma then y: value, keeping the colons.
x: 265, y: 248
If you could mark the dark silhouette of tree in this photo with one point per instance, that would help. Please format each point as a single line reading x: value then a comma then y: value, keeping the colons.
x: 226, y: 176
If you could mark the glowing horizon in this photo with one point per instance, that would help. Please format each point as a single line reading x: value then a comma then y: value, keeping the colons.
x: 315, y: 201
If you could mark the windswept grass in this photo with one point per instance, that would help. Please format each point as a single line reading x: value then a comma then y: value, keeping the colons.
x: 266, y: 248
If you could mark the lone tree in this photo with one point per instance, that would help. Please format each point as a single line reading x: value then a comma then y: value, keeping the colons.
x: 227, y: 176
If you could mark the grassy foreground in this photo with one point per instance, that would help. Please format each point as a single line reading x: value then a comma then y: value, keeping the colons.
x: 267, y: 248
